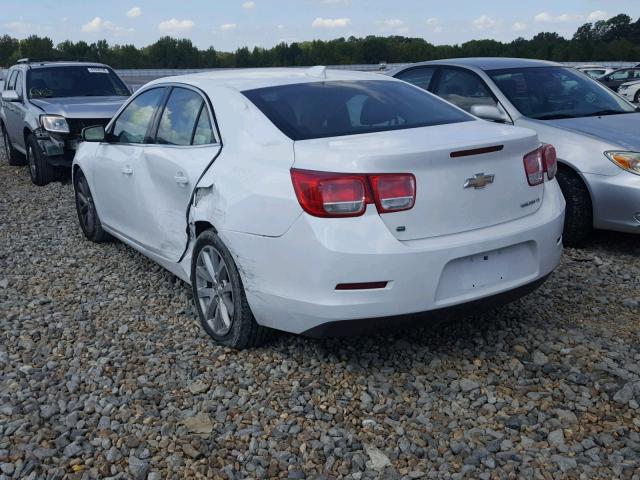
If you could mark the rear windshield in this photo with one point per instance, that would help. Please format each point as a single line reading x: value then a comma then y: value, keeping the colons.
x: 76, y: 81
x: 330, y: 109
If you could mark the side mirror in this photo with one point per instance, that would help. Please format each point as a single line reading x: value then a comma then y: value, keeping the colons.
x: 489, y: 112
x: 94, y: 134
x: 10, y: 96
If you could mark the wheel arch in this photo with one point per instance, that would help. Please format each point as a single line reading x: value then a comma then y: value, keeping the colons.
x: 566, y: 167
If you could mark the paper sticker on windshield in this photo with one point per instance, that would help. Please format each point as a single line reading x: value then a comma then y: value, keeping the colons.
x: 98, y: 70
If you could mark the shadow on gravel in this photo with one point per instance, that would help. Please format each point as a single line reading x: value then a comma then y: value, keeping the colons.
x: 615, y: 242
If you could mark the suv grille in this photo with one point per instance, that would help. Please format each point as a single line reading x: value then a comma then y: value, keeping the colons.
x: 77, y: 124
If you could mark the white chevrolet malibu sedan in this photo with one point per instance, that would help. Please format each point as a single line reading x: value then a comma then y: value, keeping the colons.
x: 319, y: 202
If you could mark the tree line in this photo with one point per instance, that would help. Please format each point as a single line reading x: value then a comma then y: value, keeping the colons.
x: 615, y: 39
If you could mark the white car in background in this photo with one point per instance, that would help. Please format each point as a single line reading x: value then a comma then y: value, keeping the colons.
x: 595, y: 71
x: 630, y: 91
x: 314, y: 201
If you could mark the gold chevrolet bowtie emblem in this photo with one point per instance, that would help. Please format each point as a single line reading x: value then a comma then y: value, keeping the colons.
x: 479, y: 180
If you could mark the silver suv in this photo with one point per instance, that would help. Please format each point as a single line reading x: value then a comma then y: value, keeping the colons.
x: 46, y: 104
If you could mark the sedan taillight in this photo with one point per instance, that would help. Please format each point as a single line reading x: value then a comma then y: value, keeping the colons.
x: 324, y: 194
x: 542, y: 160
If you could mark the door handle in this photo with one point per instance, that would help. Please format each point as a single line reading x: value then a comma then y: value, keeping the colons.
x: 181, y: 179
x: 127, y: 170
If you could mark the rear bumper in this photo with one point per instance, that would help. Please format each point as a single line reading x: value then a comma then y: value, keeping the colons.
x: 616, y: 201
x: 290, y: 280
x: 361, y: 326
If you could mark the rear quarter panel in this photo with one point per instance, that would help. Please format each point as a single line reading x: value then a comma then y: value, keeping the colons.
x: 248, y: 187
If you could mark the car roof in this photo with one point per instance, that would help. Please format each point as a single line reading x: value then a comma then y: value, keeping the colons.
x: 252, y: 78
x: 487, y: 63
x: 46, y: 64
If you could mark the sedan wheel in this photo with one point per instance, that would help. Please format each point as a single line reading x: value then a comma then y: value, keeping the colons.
x: 214, y: 290
x: 219, y: 295
x: 87, y: 214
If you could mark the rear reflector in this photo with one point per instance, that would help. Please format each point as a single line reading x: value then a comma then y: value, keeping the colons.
x: 324, y: 194
x: 361, y: 286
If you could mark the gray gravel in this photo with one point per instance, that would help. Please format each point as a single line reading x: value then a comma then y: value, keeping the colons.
x: 105, y: 373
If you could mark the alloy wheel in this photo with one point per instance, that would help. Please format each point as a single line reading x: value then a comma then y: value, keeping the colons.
x: 86, y: 208
x: 5, y: 141
x: 214, y: 290
x: 32, y: 161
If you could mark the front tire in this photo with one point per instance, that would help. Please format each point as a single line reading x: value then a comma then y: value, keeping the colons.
x: 14, y: 158
x: 636, y: 99
x: 578, y: 218
x: 219, y: 295
x: 41, y: 172
x: 87, y: 213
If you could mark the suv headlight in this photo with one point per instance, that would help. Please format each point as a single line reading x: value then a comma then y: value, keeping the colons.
x: 54, y: 123
x: 629, y: 161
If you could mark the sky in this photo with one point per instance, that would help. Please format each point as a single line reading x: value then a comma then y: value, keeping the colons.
x: 229, y: 24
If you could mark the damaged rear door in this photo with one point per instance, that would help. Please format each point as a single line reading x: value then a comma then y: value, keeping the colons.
x: 185, y: 145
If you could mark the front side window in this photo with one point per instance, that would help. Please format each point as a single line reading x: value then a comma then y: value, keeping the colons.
x: 180, y: 117
x: 420, y: 77
x: 335, y: 108
x: 621, y: 75
x: 548, y: 93
x: 18, y: 84
x: 74, y: 81
x: 133, y: 123
x: 464, y: 89
x: 11, y: 81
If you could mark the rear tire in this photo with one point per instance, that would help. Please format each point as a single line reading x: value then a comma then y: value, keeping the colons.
x: 578, y: 219
x: 41, y: 172
x: 14, y: 158
x: 87, y: 213
x: 219, y: 295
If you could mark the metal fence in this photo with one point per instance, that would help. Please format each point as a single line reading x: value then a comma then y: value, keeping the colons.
x: 138, y: 77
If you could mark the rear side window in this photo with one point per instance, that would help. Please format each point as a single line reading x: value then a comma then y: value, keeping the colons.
x: 335, y: 108
x: 133, y: 123
x: 464, y: 89
x: 420, y: 77
x: 184, y: 120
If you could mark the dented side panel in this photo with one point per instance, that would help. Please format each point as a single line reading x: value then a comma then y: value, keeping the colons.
x: 248, y: 188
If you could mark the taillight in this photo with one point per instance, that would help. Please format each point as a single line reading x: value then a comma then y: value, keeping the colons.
x: 550, y: 160
x: 393, y: 192
x: 331, y: 194
x: 542, y: 160
x: 323, y: 194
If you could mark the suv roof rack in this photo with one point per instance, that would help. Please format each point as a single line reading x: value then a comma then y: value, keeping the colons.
x: 53, y: 59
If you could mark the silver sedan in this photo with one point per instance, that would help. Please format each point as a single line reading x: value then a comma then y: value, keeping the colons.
x: 596, y: 133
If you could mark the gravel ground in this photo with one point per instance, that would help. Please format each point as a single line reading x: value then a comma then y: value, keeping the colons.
x: 105, y: 372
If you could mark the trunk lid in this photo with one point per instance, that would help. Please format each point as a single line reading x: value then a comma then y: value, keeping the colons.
x: 443, y: 206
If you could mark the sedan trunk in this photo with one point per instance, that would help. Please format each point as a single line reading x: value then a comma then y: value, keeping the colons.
x: 468, y: 175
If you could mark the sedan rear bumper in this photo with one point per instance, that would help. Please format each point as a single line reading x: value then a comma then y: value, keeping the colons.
x: 290, y: 281
x: 616, y: 201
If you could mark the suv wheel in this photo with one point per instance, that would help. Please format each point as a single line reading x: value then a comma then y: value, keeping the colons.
x: 14, y: 158
x: 578, y: 218
x: 41, y: 172
x: 219, y: 295
x: 87, y: 214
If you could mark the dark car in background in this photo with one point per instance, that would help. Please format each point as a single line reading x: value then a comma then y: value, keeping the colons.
x: 614, y: 79
x: 46, y: 104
